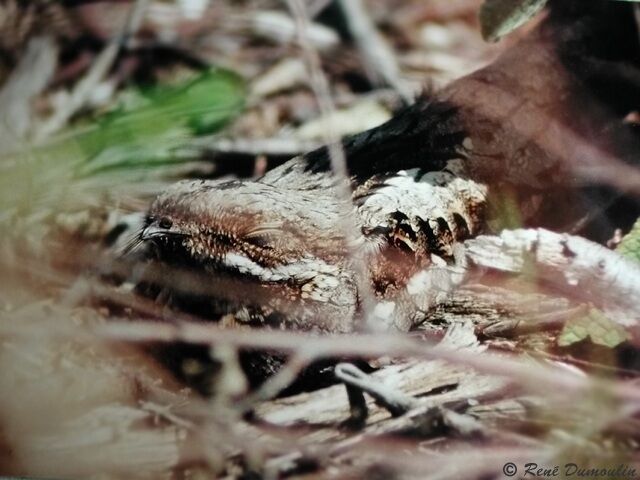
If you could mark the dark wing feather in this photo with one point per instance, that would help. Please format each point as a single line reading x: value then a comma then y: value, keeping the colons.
x: 423, y: 135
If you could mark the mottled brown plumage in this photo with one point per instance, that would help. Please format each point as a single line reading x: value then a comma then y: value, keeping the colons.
x: 421, y: 183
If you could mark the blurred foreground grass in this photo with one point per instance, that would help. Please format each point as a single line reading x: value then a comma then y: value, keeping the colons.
x: 115, y: 158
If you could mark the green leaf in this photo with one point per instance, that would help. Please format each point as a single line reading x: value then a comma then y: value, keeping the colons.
x: 630, y: 245
x: 130, y: 148
x: 168, y: 115
x: 499, y: 17
x: 596, y: 326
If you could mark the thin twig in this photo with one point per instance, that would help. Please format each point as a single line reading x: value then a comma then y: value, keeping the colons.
x: 273, y: 146
x: 316, y: 6
x: 354, y: 345
x: 396, y: 402
x: 28, y: 79
x: 275, y: 384
x: 379, y: 58
x: 320, y: 87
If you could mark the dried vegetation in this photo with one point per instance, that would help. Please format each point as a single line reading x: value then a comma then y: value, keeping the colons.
x: 541, y: 366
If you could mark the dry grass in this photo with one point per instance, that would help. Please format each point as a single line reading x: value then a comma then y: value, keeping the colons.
x: 82, y: 396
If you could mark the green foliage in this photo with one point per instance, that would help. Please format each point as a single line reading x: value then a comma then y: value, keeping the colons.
x: 124, y: 153
x: 500, y: 17
x: 123, y: 138
x: 504, y: 210
x: 594, y: 325
x: 630, y: 245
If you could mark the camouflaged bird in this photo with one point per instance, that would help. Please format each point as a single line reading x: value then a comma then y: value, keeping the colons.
x: 420, y: 184
x: 282, y: 234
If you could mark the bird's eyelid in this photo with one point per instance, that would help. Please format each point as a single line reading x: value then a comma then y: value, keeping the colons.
x: 264, y: 236
x: 157, y: 230
x: 264, y: 229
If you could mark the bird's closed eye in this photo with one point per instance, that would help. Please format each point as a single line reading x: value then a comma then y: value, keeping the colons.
x: 165, y: 223
x: 264, y: 236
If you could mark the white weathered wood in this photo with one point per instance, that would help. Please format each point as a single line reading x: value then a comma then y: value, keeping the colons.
x: 578, y: 267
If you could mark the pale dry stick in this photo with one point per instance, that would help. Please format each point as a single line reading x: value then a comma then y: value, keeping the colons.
x: 164, y: 411
x: 540, y: 377
x: 587, y: 218
x: 586, y: 270
x: 284, y: 377
x: 371, y: 345
x: 316, y: 6
x: 379, y: 58
x: 335, y: 443
x: 340, y: 449
x: 397, y: 403
x: 334, y: 346
x: 320, y: 87
x: 96, y: 73
x: 281, y: 28
x: 32, y: 74
x: 217, y: 431
x: 398, y: 389
x: 304, y: 445
x: 217, y: 427
x: 276, y: 146
x: 349, y: 446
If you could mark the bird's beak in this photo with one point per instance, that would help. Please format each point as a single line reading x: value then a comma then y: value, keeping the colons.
x: 152, y: 231
x: 155, y: 232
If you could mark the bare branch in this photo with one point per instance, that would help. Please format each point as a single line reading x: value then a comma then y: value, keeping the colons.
x: 379, y: 57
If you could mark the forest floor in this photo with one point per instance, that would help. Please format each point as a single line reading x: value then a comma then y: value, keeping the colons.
x: 104, y: 104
